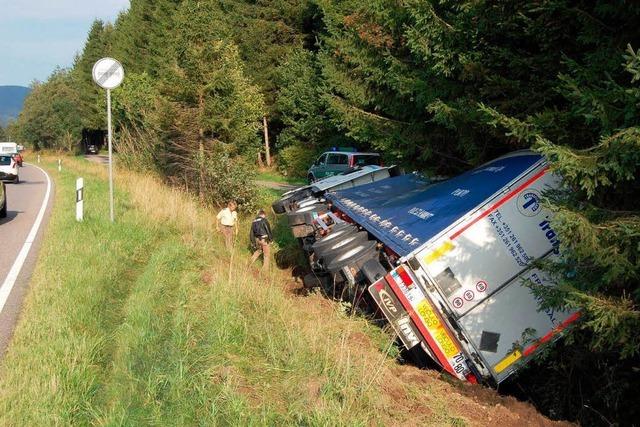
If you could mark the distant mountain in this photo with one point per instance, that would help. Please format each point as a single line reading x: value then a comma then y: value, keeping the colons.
x: 11, y: 100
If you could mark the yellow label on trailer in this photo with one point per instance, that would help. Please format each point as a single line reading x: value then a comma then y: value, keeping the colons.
x: 436, y: 329
x: 507, y: 361
x: 438, y: 253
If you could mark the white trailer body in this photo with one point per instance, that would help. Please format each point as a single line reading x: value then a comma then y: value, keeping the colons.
x: 462, y: 288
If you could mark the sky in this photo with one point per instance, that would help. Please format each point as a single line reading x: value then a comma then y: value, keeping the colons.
x: 36, y: 36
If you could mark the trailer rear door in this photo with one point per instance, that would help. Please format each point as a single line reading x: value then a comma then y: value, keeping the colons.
x: 481, y: 268
x: 508, y: 327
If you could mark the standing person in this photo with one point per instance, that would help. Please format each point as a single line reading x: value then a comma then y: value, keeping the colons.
x: 262, y: 237
x: 228, y: 218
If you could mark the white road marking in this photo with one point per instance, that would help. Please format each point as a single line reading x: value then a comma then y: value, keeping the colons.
x: 10, y: 281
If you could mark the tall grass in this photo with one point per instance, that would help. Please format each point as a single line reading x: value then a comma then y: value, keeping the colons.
x: 150, y: 321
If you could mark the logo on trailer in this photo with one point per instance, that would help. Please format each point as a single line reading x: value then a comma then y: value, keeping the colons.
x: 550, y: 234
x: 458, y: 302
x: 387, y: 301
x: 529, y: 202
x: 469, y: 295
x: 408, y: 336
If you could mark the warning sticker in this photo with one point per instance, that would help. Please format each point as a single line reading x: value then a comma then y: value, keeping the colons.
x: 436, y: 329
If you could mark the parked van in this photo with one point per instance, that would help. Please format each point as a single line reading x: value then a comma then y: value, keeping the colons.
x: 448, y: 264
x: 339, y: 160
x: 8, y: 148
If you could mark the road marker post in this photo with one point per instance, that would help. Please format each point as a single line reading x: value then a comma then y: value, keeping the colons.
x: 59, y: 165
x: 108, y: 74
x: 79, y: 199
x: 38, y: 158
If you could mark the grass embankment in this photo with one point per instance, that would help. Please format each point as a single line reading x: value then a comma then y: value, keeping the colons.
x: 274, y: 176
x: 149, y: 321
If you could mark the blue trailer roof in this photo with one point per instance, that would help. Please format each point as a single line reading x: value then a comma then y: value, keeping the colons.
x: 406, y: 211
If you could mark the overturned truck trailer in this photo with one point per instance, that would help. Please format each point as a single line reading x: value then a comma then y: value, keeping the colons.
x: 449, y: 264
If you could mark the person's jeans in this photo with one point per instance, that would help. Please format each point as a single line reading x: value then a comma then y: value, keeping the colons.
x: 265, y: 250
x: 227, y: 233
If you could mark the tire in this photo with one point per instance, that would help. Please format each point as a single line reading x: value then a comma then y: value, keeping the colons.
x: 280, y: 206
x: 17, y: 181
x: 303, y: 203
x: 357, y: 254
x: 338, y: 232
x: 329, y: 252
x: 311, y: 179
x: 307, y: 214
x: 3, y: 211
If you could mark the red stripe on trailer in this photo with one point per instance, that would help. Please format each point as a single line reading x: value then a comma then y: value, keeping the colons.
x: 500, y: 203
x: 569, y: 320
x: 418, y: 322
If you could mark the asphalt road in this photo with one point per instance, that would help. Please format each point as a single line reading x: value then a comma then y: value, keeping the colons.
x: 24, y: 202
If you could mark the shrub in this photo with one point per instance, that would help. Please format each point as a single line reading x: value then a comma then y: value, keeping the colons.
x: 294, y: 160
x: 214, y: 172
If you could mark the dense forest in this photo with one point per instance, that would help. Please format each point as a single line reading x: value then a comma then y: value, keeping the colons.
x: 434, y: 85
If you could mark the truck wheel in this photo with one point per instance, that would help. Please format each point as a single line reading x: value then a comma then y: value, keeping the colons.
x: 329, y: 252
x: 338, y: 232
x: 311, y: 179
x: 357, y: 254
x: 307, y: 214
x: 280, y: 206
x: 303, y: 203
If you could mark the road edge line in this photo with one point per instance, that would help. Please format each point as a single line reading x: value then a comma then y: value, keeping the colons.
x: 14, y: 272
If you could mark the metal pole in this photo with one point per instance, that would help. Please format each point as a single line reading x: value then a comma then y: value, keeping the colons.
x: 110, y: 155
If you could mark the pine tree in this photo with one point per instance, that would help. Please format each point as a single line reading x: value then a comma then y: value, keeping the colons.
x: 96, y: 47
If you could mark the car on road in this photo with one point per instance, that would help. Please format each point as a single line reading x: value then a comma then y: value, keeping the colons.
x: 3, y: 201
x: 339, y: 160
x: 9, y: 168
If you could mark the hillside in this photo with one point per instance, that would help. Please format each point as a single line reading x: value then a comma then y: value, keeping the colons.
x: 11, y: 102
x: 152, y: 322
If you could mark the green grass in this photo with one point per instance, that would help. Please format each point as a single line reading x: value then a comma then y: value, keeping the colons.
x: 149, y: 321
x: 274, y: 176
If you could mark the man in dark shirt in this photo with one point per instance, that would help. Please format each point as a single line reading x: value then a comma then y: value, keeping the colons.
x: 262, y: 237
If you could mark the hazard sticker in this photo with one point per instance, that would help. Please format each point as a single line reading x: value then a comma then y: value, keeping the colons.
x: 469, y: 295
x: 458, y: 302
x: 481, y: 286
